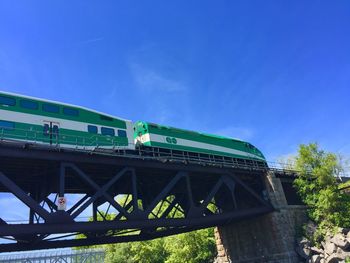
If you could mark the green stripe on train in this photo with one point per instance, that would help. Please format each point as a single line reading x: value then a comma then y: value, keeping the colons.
x: 193, y: 136
x: 34, y: 133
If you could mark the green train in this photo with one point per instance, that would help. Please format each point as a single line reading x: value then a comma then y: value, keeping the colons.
x: 154, y: 135
x: 40, y: 121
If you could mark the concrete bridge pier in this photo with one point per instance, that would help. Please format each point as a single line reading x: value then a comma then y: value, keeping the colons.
x: 268, y: 238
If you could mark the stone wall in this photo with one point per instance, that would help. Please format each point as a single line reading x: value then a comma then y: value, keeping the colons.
x: 268, y: 238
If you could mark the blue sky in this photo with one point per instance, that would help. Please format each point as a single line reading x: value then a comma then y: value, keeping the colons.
x: 275, y: 73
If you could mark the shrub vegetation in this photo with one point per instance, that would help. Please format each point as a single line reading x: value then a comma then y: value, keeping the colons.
x: 318, y: 187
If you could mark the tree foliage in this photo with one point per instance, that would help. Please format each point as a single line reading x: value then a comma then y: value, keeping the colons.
x: 193, y: 247
x: 317, y: 185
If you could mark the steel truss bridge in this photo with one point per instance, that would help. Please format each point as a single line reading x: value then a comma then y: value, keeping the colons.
x: 121, y: 196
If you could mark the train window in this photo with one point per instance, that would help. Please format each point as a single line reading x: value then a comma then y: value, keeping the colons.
x: 55, y: 131
x: 107, y: 131
x: 106, y: 118
x: 92, y: 129
x: 121, y: 133
x: 29, y: 104
x: 70, y: 112
x: 46, y: 129
x: 7, y: 101
x: 51, y: 108
x: 7, y: 125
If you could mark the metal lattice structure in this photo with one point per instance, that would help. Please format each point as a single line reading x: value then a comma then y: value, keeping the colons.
x: 123, y: 197
x: 56, y: 256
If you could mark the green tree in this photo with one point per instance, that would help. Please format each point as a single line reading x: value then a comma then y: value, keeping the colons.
x: 151, y: 251
x: 193, y: 247
x: 317, y: 185
x: 118, y: 253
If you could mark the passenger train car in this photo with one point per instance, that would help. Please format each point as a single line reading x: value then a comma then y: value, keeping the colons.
x: 57, y: 124
x: 41, y: 121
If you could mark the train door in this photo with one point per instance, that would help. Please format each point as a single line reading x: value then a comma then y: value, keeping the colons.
x: 51, y: 132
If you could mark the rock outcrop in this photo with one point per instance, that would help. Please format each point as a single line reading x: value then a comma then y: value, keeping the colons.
x: 334, y: 249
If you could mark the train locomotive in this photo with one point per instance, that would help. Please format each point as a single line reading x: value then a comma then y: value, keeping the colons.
x: 45, y: 122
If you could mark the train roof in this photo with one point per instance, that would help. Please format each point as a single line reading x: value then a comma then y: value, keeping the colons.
x: 61, y: 103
